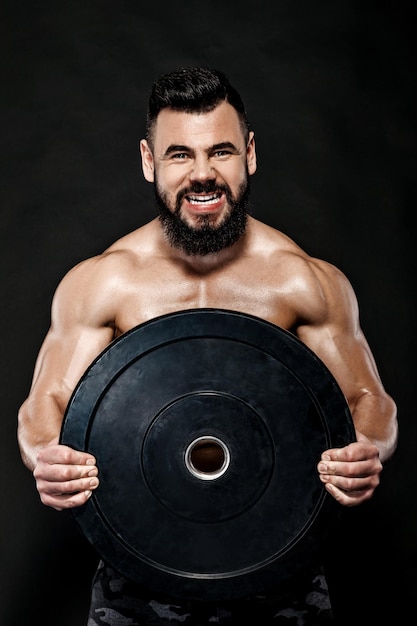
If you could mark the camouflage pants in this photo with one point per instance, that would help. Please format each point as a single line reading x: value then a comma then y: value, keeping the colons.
x: 115, y: 601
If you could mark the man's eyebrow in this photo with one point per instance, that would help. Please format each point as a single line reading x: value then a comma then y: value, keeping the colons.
x: 176, y: 148
x: 224, y: 145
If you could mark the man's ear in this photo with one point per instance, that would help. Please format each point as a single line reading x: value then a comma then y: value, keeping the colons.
x: 251, y: 153
x: 147, y: 161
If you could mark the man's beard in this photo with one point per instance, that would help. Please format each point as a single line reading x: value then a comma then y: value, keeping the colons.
x: 206, y: 238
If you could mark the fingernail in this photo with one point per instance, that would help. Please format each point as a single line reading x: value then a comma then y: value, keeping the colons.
x: 88, y: 493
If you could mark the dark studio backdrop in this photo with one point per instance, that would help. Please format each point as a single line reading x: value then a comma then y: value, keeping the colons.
x: 329, y: 92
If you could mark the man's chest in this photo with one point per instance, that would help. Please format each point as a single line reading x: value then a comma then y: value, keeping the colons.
x: 170, y: 294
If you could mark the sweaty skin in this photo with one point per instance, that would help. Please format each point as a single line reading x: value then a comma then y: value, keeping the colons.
x: 142, y: 276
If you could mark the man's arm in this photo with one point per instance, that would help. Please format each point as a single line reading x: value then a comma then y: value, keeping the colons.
x: 64, y: 477
x: 352, y: 473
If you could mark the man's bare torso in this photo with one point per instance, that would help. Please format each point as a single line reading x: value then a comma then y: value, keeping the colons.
x: 135, y: 280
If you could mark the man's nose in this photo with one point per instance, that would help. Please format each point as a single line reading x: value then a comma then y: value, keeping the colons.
x: 202, y: 168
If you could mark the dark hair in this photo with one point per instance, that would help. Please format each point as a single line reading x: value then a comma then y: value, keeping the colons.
x: 193, y: 90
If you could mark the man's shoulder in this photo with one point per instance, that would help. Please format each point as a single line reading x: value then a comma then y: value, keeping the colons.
x: 115, y: 260
x: 287, y: 259
x: 140, y: 238
x: 273, y: 239
x: 125, y: 251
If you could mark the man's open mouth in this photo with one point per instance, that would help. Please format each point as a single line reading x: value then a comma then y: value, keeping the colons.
x: 207, y: 199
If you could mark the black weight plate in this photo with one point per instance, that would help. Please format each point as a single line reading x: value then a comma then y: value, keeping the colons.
x: 270, y: 406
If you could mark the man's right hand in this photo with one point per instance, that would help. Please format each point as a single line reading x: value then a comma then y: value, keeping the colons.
x: 64, y: 477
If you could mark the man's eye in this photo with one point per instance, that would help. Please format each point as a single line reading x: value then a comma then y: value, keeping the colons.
x: 221, y: 153
x: 180, y: 155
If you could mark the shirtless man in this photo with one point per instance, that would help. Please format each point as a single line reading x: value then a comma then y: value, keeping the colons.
x: 204, y: 249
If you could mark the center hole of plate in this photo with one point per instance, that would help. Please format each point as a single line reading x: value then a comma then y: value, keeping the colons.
x: 207, y: 457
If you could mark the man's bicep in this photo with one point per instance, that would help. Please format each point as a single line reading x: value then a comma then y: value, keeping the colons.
x: 64, y: 356
x: 80, y: 329
x: 349, y: 358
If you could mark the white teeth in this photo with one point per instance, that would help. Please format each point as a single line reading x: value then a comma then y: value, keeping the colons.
x: 211, y: 199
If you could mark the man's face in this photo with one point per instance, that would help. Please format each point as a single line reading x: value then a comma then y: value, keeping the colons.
x: 200, y: 167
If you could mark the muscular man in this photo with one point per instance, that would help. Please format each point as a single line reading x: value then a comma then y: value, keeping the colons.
x: 204, y: 249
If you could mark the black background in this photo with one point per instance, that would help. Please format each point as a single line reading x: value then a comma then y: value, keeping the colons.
x: 329, y: 88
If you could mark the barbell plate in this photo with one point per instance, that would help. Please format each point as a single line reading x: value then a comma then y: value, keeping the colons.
x: 245, y: 393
